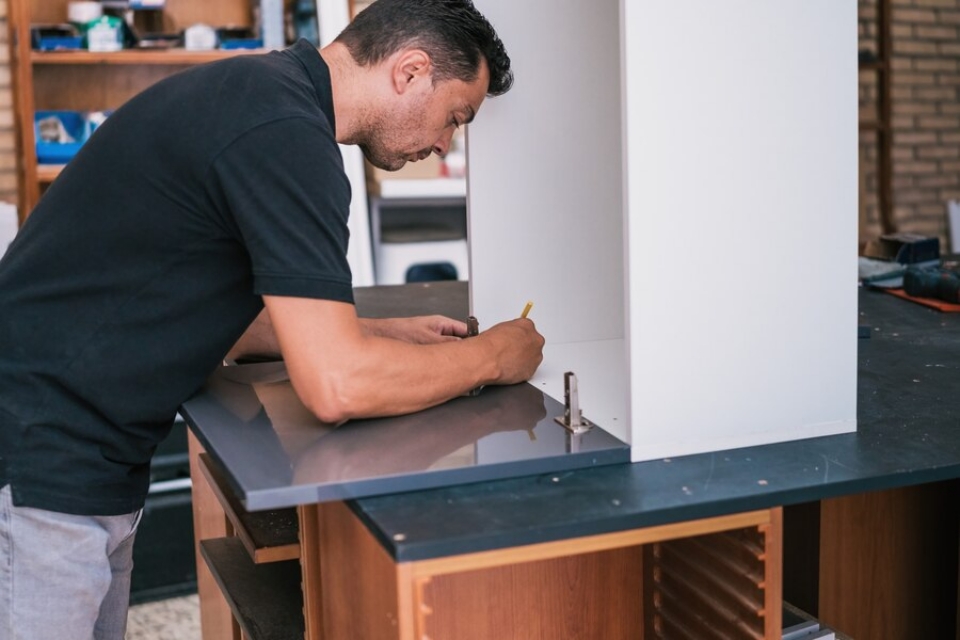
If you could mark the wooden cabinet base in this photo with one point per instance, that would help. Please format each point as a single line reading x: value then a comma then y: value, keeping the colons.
x: 590, y: 587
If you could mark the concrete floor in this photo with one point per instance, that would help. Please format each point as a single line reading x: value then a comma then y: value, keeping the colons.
x: 170, y: 619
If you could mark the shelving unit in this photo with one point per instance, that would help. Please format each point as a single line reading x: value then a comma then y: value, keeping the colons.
x: 878, y: 120
x: 92, y: 81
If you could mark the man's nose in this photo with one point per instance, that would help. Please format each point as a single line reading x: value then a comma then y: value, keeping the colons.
x: 441, y: 146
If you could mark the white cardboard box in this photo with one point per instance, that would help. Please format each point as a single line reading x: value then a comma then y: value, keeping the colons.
x: 674, y: 185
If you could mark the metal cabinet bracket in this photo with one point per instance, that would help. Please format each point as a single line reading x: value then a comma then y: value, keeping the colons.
x: 572, y: 420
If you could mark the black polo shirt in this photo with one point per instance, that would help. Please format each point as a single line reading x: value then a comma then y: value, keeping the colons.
x: 145, y: 261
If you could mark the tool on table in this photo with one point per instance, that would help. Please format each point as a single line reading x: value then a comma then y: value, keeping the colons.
x: 884, y: 261
x: 572, y: 419
x: 942, y: 283
x: 527, y: 308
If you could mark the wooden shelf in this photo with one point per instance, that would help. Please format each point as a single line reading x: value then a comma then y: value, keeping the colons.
x: 266, y: 599
x: 137, y: 56
x: 268, y: 536
x: 47, y: 173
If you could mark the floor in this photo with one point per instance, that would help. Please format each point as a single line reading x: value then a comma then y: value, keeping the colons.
x: 170, y: 619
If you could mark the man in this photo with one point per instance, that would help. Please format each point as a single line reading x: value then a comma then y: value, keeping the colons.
x: 214, y: 205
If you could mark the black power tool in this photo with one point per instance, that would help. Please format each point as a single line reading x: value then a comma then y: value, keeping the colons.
x: 941, y: 283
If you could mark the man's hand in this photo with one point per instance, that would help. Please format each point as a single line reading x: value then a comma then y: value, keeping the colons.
x: 518, y: 349
x: 417, y: 330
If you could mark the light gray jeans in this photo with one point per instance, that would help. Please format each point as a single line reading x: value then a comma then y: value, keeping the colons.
x: 64, y: 576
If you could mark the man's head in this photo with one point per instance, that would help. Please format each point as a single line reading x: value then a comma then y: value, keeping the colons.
x: 443, y: 58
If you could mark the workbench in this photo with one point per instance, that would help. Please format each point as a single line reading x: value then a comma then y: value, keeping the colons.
x: 859, y: 529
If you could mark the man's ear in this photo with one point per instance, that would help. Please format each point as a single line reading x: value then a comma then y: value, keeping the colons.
x: 411, y: 68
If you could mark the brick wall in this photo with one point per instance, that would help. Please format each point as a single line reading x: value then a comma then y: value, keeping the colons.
x: 925, y: 95
x: 8, y: 153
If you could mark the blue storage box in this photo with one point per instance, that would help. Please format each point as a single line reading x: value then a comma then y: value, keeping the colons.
x: 49, y: 127
x: 55, y: 37
x: 247, y: 43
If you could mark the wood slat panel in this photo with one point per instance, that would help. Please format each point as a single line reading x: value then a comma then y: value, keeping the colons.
x: 682, y: 598
x: 713, y: 555
x: 714, y: 586
x: 732, y: 591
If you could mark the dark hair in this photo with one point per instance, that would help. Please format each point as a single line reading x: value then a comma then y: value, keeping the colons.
x: 452, y: 32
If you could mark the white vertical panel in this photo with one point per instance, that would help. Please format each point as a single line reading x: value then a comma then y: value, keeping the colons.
x: 741, y: 123
x: 544, y: 185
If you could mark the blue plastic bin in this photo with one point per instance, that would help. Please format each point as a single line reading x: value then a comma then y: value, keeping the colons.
x: 75, y: 124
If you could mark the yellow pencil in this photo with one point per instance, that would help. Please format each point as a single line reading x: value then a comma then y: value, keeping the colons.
x: 526, y: 309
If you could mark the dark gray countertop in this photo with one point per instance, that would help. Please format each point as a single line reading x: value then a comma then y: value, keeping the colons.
x: 908, y: 433
x: 276, y: 454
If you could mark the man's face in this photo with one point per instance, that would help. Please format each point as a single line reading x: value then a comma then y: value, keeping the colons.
x: 423, y: 121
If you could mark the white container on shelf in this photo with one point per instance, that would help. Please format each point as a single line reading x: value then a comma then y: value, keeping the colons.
x: 199, y: 37
x: 82, y: 13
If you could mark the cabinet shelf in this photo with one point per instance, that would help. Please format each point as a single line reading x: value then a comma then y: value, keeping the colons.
x: 47, y: 173
x: 134, y: 56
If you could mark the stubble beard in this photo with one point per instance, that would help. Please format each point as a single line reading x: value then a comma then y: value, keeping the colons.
x: 380, y: 159
x: 375, y: 146
x: 383, y: 128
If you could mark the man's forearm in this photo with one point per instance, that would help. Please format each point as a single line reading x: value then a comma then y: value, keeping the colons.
x: 340, y: 372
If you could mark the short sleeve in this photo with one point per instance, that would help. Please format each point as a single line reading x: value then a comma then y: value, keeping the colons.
x: 284, y: 187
